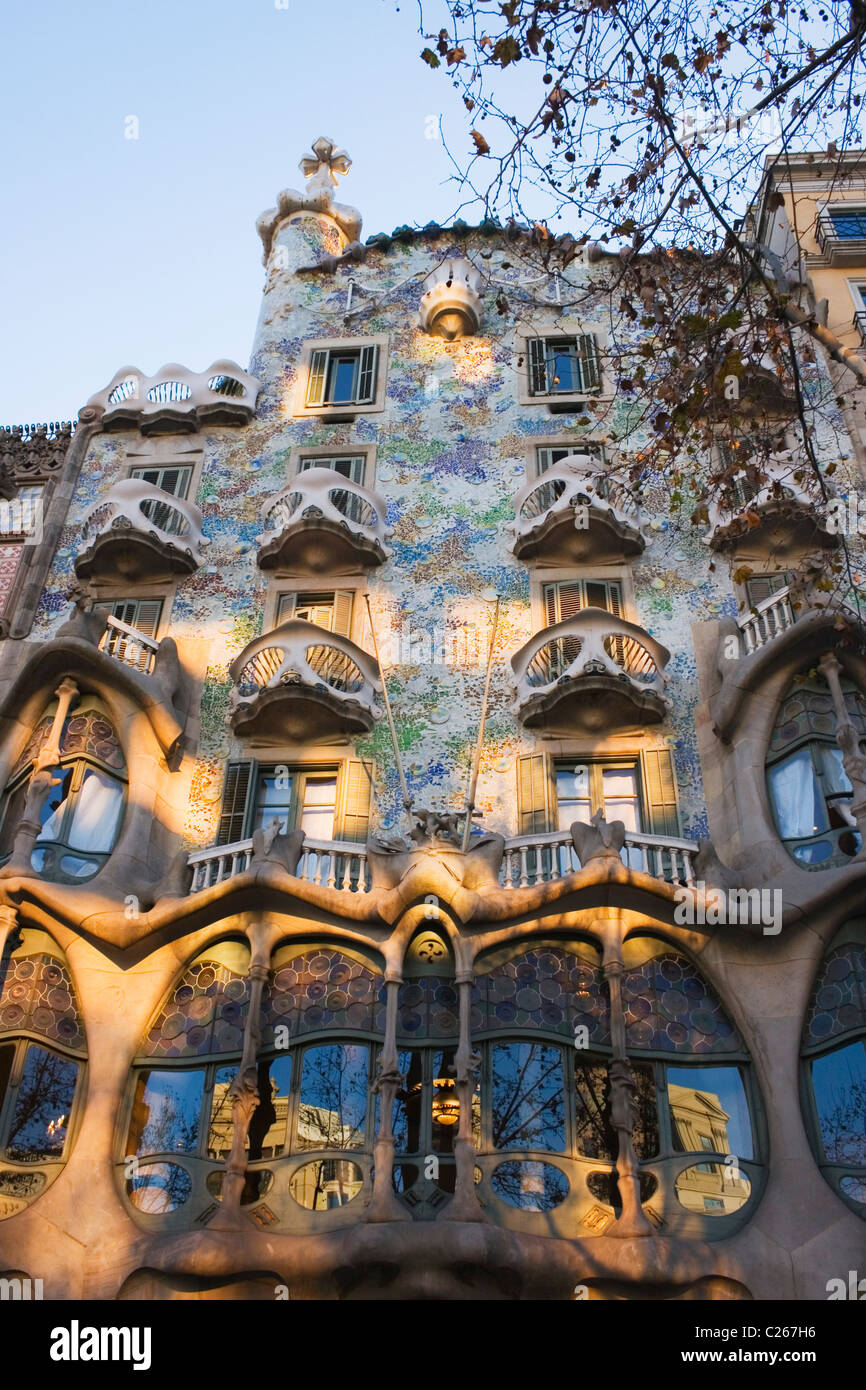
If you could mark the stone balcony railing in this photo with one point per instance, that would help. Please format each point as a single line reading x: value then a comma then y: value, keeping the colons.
x: 177, y: 399
x: 590, y: 673
x: 323, y: 523
x: 771, y: 617
x: 576, y: 513
x: 129, y: 646
x: 139, y: 532
x: 783, y: 513
x: 528, y: 859
x: 301, y: 682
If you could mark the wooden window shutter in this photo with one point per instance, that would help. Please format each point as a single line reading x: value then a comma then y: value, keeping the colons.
x: 316, y: 382
x: 355, y: 815
x: 590, y: 365
x: 537, y: 368
x: 237, y: 795
x: 342, y: 622
x: 661, y: 792
x: 147, y: 616
x: 533, y: 776
x: 572, y: 599
x: 366, y: 379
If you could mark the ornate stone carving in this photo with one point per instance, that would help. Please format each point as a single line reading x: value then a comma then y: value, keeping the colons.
x: 320, y: 168
x: 600, y: 839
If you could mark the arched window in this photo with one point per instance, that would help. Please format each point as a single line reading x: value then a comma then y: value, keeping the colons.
x: 82, y: 815
x: 42, y: 1053
x: 834, y: 1061
x: 320, y: 1017
x: 809, y: 791
x: 544, y: 1013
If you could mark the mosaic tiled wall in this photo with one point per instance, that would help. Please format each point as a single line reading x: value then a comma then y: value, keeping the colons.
x: 452, y: 447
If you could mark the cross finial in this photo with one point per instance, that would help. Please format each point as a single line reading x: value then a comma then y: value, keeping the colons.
x: 322, y: 166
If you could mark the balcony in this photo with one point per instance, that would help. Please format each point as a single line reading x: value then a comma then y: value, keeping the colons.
x: 329, y: 863
x: 843, y: 242
x: 591, y: 673
x: 301, y: 682
x: 783, y: 513
x: 177, y: 399
x: 575, y: 513
x: 323, y: 523
x: 139, y: 532
x: 860, y: 325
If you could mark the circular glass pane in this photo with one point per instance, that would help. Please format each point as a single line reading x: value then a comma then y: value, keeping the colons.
x: 854, y: 1188
x: 530, y: 1186
x: 713, y: 1189
x: 158, y: 1188
x: 326, y: 1183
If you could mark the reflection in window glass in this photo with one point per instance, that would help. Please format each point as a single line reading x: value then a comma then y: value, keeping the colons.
x: 333, y: 1100
x: 219, y: 1133
x: 530, y: 1186
x: 594, y: 1135
x: 839, y: 1083
x: 528, y: 1100
x: 645, y: 1136
x: 709, y: 1103
x: 166, y: 1112
x: 42, y: 1106
x: 7, y: 1056
x: 326, y: 1183
x: 158, y: 1188
x: 270, y: 1122
x: 406, y: 1118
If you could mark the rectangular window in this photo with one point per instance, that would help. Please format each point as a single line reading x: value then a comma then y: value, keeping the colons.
x: 330, y: 610
x: 297, y: 799
x: 564, y: 366
x: 546, y: 458
x: 351, y: 466
x: 21, y: 516
x: 173, y: 479
x: 343, y: 376
x: 142, y: 614
x: 762, y: 586
x: 565, y: 599
x: 328, y: 803
x: 585, y: 788
x: 849, y: 224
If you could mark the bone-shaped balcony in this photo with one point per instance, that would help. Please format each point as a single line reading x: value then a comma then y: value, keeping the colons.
x: 323, y: 523
x: 301, y: 682
x: 773, y: 504
x: 591, y: 673
x: 139, y: 532
x: 576, y: 513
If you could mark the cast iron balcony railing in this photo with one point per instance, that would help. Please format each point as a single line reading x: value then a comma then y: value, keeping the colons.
x: 843, y: 246
x: 576, y: 513
x: 592, y: 672
x: 323, y: 523
x: 860, y: 324
x: 302, y: 682
x: 139, y: 532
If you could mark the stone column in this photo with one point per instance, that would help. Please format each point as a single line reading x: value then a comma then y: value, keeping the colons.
x: 244, y: 1088
x: 384, y: 1205
x: 465, y: 1205
x: 8, y: 923
x: 632, y: 1221
x: 848, y: 739
x: 40, y: 786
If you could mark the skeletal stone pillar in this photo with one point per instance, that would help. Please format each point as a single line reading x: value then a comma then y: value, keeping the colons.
x: 244, y: 1089
x: 384, y: 1205
x: 848, y: 739
x: 465, y: 1206
x: 40, y: 785
x: 8, y: 923
x: 632, y: 1221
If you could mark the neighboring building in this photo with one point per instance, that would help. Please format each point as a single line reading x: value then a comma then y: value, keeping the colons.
x: 499, y: 1072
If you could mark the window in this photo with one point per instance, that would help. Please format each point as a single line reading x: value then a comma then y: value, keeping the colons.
x: 330, y: 610
x: 763, y: 586
x: 141, y: 614
x: 313, y: 1096
x: 809, y: 790
x: 82, y: 814
x: 21, y: 516
x: 834, y: 1061
x: 563, y: 600
x: 693, y: 1133
x: 849, y: 223
x: 173, y: 478
x: 564, y: 366
x: 330, y: 803
x: 549, y: 456
x: 352, y: 466
x: 342, y: 376
x: 585, y: 788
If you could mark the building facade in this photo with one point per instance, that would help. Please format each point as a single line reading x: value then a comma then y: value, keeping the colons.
x: 274, y: 1022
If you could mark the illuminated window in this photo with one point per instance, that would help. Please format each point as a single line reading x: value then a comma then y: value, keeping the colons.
x: 342, y: 376
x: 564, y: 366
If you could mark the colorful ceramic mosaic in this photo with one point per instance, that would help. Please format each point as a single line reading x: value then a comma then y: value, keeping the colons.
x: 323, y: 989
x: 205, y: 1014
x: 670, y: 1008
x: 838, y: 1001
x: 549, y: 989
x: 38, y: 997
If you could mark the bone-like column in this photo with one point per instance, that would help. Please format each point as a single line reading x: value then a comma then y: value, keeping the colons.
x: 848, y: 739
x: 631, y: 1221
x: 384, y: 1205
x: 465, y: 1205
x: 41, y: 784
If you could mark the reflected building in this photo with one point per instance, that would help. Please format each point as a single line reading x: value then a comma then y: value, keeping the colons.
x: 266, y: 1002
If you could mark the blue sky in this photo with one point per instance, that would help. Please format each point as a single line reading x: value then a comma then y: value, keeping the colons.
x: 142, y: 252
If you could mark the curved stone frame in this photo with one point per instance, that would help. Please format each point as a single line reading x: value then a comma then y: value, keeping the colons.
x: 552, y: 536
x: 48, y: 1169
x: 832, y: 1173
x: 117, y: 524
x: 202, y: 1206
x: 583, y: 1212
x: 318, y: 538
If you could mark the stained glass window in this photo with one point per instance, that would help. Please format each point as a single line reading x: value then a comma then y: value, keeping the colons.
x: 548, y: 988
x: 427, y: 1008
x: 323, y: 988
x: 204, y: 1014
x: 669, y: 1007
